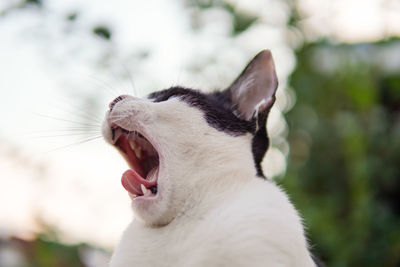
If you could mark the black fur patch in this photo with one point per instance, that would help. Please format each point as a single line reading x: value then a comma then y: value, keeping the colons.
x: 317, y: 261
x: 215, y: 106
x: 260, y: 143
x: 219, y: 113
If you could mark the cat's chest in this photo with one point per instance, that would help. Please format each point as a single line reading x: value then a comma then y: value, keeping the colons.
x: 166, y: 246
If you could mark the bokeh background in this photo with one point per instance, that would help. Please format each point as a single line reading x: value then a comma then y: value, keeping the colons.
x: 335, y: 128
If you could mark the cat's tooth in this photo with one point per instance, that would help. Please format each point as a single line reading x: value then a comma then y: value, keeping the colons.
x: 132, y: 144
x: 116, y: 134
x: 144, y: 189
x: 136, y: 149
x: 138, y: 152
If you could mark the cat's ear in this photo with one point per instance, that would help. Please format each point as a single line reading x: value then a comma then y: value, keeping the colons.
x: 253, y: 92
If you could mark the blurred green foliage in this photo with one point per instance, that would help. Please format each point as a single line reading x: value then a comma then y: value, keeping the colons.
x: 344, y: 166
x: 241, y: 20
x: 102, y: 31
x: 53, y: 254
x: 39, y: 252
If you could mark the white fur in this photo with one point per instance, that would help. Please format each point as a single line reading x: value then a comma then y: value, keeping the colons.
x: 210, y: 209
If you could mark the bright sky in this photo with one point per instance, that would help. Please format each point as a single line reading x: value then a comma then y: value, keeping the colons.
x: 52, y: 67
x: 351, y: 20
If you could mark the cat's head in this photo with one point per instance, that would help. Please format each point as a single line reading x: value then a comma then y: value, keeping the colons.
x: 183, y: 145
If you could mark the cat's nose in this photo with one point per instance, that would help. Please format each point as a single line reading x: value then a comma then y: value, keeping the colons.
x: 116, y: 100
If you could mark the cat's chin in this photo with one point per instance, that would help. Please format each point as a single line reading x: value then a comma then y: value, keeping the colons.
x: 152, y: 210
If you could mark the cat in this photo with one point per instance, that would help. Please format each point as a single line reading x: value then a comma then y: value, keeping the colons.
x: 198, y: 190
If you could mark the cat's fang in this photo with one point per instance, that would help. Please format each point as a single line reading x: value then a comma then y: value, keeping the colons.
x: 116, y: 133
x: 144, y: 189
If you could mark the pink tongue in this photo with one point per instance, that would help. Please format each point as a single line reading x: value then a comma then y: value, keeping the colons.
x: 131, y: 181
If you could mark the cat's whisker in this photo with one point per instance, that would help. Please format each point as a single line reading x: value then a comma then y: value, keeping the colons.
x: 69, y: 121
x: 120, y: 80
x: 75, y: 143
x: 72, y: 129
x: 105, y: 85
x: 78, y: 111
x: 123, y: 77
x: 120, y: 89
x: 130, y: 79
x: 63, y: 135
x: 59, y: 134
x: 96, y: 83
x: 88, y: 116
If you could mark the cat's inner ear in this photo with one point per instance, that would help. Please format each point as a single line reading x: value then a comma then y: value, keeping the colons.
x: 253, y: 92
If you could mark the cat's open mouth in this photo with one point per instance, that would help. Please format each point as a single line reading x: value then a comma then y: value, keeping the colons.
x: 142, y: 157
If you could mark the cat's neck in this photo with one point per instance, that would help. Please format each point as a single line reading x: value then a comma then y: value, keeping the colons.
x: 220, y: 190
